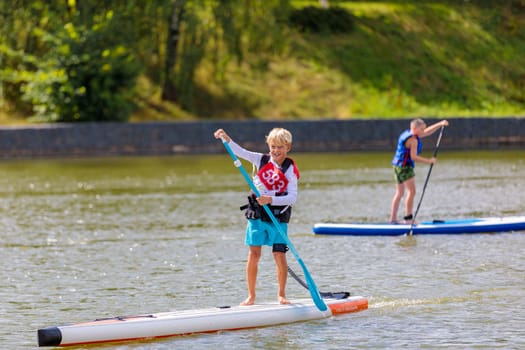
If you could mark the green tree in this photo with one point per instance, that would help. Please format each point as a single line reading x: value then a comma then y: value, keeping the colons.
x: 86, y: 77
x: 79, y: 69
x: 78, y: 60
x: 223, y: 30
x: 172, y: 45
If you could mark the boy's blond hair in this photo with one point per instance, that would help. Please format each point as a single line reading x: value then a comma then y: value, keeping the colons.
x: 416, y: 123
x: 280, y: 137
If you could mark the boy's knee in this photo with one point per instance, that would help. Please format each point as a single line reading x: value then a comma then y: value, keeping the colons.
x: 254, y: 254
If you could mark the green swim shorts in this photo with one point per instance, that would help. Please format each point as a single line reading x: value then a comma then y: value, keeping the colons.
x: 403, y: 173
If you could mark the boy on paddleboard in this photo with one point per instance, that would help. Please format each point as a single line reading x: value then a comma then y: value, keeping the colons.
x: 409, y: 146
x: 276, y: 179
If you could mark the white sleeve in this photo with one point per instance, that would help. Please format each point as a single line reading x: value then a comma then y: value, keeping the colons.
x: 252, y: 157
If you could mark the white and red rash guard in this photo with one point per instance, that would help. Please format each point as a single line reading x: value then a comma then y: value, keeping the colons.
x: 255, y: 159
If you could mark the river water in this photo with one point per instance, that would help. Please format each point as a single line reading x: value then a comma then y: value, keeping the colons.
x: 93, y: 238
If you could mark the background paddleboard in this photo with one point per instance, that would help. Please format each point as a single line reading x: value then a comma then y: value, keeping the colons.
x: 457, y: 226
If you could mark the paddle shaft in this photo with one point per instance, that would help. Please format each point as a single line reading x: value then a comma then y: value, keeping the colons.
x: 314, y: 292
x: 436, y: 149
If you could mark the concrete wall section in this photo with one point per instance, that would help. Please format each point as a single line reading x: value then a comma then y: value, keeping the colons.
x: 110, y: 139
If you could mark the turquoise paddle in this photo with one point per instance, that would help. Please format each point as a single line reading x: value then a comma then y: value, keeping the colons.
x: 314, y: 292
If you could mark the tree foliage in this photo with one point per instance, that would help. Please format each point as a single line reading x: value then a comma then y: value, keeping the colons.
x: 76, y: 60
x: 79, y: 60
x: 86, y: 76
x: 69, y: 63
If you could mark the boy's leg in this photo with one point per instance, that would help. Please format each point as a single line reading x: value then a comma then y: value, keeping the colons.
x: 400, y: 189
x: 410, y: 185
x: 252, y: 265
x: 282, y: 274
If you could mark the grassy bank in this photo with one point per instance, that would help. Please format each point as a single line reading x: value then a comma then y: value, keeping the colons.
x: 404, y: 59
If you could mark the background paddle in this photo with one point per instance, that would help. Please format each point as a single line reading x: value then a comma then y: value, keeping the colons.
x: 426, y: 181
x: 314, y: 292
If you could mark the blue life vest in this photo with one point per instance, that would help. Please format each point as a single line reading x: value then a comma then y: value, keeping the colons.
x: 402, y: 155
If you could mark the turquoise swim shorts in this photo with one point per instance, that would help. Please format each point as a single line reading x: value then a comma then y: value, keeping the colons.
x: 260, y: 233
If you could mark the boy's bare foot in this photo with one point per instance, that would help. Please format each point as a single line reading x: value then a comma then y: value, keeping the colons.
x: 284, y: 301
x: 248, y: 301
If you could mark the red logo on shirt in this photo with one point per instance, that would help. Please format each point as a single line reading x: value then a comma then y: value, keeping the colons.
x: 273, y: 178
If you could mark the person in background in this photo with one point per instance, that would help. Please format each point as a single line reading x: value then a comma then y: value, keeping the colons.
x: 409, y: 146
x: 276, y: 179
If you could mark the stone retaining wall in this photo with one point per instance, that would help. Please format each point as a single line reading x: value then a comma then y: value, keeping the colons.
x: 112, y: 139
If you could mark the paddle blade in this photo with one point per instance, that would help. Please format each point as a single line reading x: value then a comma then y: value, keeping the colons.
x: 312, y: 288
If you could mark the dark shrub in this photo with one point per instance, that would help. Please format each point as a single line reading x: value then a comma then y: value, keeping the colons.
x: 320, y: 20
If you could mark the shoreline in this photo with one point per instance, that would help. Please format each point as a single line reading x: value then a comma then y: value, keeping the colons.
x: 78, y: 140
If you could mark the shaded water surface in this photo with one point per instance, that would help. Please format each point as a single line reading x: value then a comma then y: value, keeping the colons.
x: 86, y: 239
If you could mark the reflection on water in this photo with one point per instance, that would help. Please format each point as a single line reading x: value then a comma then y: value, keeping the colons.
x: 85, y: 239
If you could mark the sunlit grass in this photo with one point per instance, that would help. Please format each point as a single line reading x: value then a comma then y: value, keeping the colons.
x: 404, y: 59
